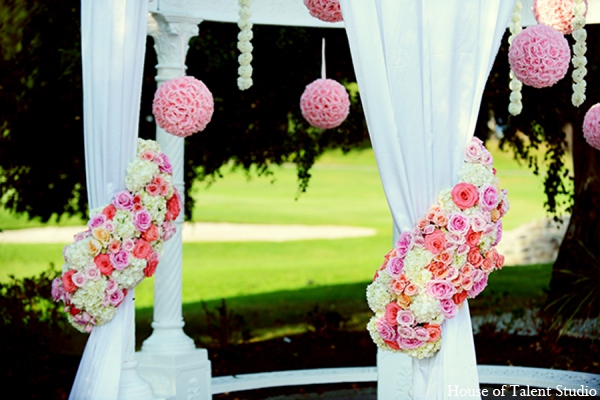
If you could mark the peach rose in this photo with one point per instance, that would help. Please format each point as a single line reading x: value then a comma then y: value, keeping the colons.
x: 142, y: 249
x: 103, y: 263
x: 435, y: 242
x: 435, y: 332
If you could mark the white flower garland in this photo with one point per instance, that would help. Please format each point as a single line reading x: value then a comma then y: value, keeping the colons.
x: 579, y: 48
x: 515, y: 106
x: 245, y: 69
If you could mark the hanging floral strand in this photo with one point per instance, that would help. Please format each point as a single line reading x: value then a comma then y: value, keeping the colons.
x: 515, y: 106
x: 245, y: 70
x: 579, y: 48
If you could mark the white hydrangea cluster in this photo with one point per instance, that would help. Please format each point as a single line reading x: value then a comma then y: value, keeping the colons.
x: 426, y: 309
x: 413, y: 266
x: 476, y: 174
x: 378, y: 294
x: 426, y: 350
x: 139, y: 174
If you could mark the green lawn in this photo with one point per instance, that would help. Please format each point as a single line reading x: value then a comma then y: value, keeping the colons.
x: 297, y: 275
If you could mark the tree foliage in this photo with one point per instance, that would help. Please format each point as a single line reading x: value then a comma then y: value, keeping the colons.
x: 541, y: 127
x: 41, y: 145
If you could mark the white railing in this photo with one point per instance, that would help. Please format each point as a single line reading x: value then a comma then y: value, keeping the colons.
x: 488, y: 374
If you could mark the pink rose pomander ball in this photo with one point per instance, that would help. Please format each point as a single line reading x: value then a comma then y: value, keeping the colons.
x: 539, y: 56
x: 325, y: 103
x: 591, y: 126
x: 325, y: 10
x: 557, y: 14
x: 183, y: 106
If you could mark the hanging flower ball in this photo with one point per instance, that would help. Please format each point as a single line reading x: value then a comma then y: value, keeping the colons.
x: 591, y: 126
x: 325, y: 103
x: 557, y: 14
x: 325, y: 10
x: 539, y: 56
x: 183, y: 106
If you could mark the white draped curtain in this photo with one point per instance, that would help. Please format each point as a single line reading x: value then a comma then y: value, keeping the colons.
x: 421, y: 67
x: 113, y: 38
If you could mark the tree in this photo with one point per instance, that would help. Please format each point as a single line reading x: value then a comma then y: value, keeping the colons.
x: 41, y: 141
x: 547, y: 114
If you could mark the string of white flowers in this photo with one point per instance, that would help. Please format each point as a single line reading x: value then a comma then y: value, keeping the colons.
x: 244, y: 46
x: 515, y: 106
x: 579, y: 48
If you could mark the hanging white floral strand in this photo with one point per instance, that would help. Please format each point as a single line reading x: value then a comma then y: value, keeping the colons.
x: 515, y: 106
x: 579, y: 48
x: 245, y: 69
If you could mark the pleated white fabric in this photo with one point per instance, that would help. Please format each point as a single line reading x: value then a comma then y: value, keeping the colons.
x: 421, y: 67
x: 113, y: 37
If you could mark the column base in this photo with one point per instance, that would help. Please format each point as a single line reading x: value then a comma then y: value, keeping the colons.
x: 177, y: 376
x: 132, y: 386
x: 394, y: 375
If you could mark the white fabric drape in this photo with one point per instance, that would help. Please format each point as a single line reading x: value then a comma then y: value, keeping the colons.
x: 113, y: 38
x: 421, y: 67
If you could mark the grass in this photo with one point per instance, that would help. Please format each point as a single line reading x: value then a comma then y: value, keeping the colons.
x: 291, y: 278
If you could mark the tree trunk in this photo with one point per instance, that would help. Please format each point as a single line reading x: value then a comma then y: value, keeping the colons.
x: 575, y: 282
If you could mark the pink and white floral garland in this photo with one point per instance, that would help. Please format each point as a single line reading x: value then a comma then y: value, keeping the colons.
x: 123, y: 242
x: 444, y: 260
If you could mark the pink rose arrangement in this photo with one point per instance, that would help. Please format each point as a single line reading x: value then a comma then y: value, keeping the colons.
x: 123, y: 243
x: 325, y: 10
x: 183, y: 106
x: 325, y: 103
x: 539, y: 56
x: 557, y: 14
x: 444, y: 260
x: 591, y: 126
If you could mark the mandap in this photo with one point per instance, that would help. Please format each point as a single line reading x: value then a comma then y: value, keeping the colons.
x: 421, y: 68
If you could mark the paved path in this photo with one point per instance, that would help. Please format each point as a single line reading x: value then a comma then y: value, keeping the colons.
x: 205, y: 232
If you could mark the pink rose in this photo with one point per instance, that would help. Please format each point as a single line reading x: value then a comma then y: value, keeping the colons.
x: 142, y: 249
x: 498, y: 228
x: 103, y: 263
x: 120, y: 260
x: 411, y: 289
x: 473, y: 151
x: 153, y: 189
x: 391, y: 312
x: 489, y: 197
x: 169, y: 230
x: 448, y: 308
x: 166, y: 166
x: 409, y: 344
x: 422, y: 334
x: 79, y: 279
x: 435, y: 242
x: 116, y: 298
x: 128, y: 245
x: 478, y: 287
x: 458, y: 223
x: 123, y: 200
x: 57, y: 290
x: 142, y: 220
x: 92, y: 273
x: 473, y: 238
x: 96, y: 221
x: 67, y: 281
x: 478, y: 222
x: 435, y: 332
x: 474, y: 257
x: 386, y: 331
x: 404, y: 243
x: 440, y: 289
x: 405, y: 317
x: 406, y: 332
x: 395, y: 266
x: 465, y: 195
x: 111, y: 286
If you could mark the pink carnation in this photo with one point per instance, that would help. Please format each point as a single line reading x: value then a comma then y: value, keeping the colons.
x: 539, y: 56
x: 325, y: 103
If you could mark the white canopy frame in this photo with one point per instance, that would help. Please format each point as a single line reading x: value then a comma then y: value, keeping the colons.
x: 169, y: 360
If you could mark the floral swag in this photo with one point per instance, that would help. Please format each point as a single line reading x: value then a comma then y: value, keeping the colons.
x: 123, y: 243
x: 444, y: 260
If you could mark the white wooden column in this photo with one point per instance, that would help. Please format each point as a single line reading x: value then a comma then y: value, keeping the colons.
x: 169, y: 359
